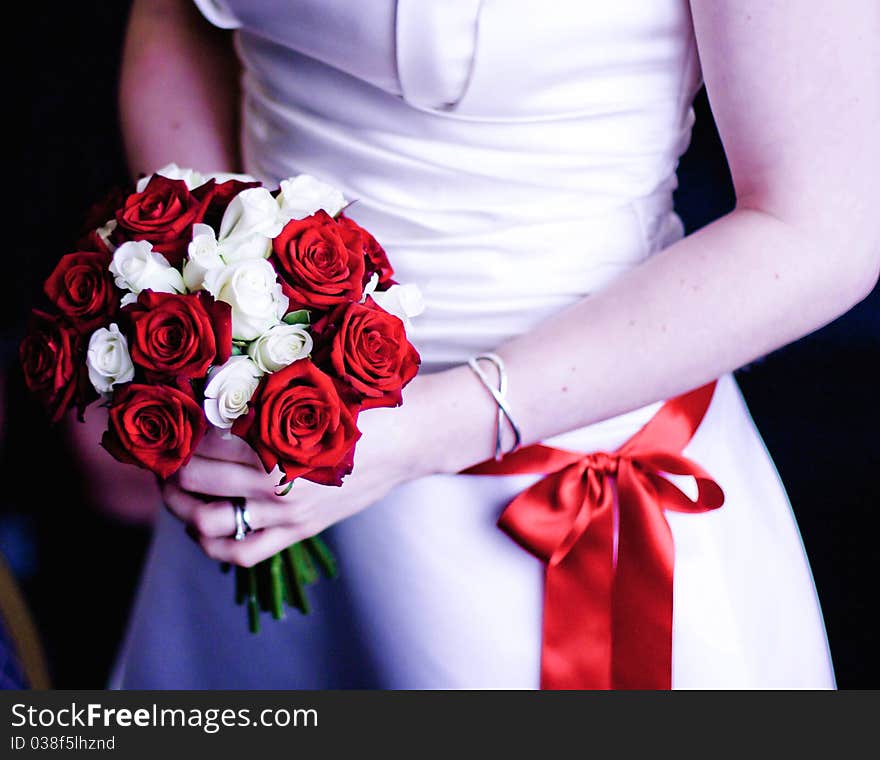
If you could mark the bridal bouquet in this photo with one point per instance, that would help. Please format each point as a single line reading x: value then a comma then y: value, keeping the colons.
x: 211, y: 300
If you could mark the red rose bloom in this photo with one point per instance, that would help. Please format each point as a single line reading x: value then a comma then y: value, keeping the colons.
x: 316, y: 267
x: 163, y: 214
x: 375, y: 259
x: 156, y: 427
x: 298, y: 422
x: 51, y: 358
x: 81, y: 287
x: 368, y: 350
x: 179, y: 336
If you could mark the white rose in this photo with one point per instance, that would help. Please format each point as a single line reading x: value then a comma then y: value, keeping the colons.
x: 302, y: 196
x: 108, y: 360
x: 221, y: 177
x: 254, y: 294
x: 280, y: 346
x: 249, y: 223
x: 136, y: 267
x: 403, y: 301
x: 203, y: 254
x: 229, y: 389
x: 191, y: 177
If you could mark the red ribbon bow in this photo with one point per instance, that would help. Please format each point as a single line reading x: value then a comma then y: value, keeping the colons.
x: 609, y: 551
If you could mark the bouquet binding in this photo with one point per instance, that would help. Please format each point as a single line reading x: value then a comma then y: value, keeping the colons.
x: 198, y: 301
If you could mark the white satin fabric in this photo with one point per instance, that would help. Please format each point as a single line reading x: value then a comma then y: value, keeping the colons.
x: 512, y: 157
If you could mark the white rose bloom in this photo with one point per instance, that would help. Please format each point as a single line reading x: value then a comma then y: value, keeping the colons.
x: 254, y: 294
x: 281, y: 346
x: 108, y: 360
x: 249, y: 223
x: 191, y: 177
x: 203, y: 254
x: 302, y: 196
x: 136, y: 267
x: 221, y: 177
x: 403, y: 301
x: 229, y: 389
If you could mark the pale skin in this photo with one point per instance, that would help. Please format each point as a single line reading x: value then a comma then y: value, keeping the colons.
x: 795, y: 90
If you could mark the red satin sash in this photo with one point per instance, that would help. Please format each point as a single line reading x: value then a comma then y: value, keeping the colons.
x: 597, y: 521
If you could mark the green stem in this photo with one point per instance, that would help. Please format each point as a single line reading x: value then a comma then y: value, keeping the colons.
x: 290, y: 562
x: 277, y: 586
x: 307, y: 567
x: 253, y: 605
x: 323, y: 555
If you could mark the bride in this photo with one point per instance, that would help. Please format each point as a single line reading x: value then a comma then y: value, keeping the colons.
x: 518, y: 166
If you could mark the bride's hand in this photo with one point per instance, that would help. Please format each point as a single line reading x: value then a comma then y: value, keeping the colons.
x: 390, y: 451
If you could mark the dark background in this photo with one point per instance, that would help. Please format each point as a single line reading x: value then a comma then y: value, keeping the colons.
x: 815, y: 402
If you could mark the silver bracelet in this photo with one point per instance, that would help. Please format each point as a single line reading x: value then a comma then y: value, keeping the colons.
x: 499, y: 395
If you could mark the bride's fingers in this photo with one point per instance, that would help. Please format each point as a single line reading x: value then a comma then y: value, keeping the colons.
x: 179, y: 502
x: 216, y: 519
x: 255, y: 548
x: 223, y: 478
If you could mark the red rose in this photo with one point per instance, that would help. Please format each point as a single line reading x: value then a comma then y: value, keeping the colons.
x: 368, y: 350
x: 52, y: 361
x: 179, y: 336
x: 156, y: 427
x: 163, y: 214
x: 298, y: 422
x: 81, y: 287
x: 375, y: 259
x: 315, y: 266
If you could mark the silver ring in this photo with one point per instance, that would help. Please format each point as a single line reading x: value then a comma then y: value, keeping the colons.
x: 242, y: 520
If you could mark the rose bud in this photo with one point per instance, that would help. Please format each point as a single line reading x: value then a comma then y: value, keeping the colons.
x: 298, y: 422
x: 178, y: 336
x: 282, y: 345
x: 316, y: 267
x: 229, y: 389
x: 81, y: 287
x: 156, y: 427
x: 108, y: 360
x: 224, y: 189
x: 368, y: 350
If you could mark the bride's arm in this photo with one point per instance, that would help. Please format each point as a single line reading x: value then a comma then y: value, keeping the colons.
x: 795, y: 89
x: 178, y: 101
x: 178, y: 90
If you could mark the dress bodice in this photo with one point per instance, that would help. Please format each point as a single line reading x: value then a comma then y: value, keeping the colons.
x: 511, y: 159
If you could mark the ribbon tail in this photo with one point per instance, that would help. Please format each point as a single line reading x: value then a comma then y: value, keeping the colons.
x: 643, y: 588
x: 577, y: 626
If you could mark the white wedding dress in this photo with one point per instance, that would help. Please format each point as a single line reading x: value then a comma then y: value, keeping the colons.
x: 512, y: 157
